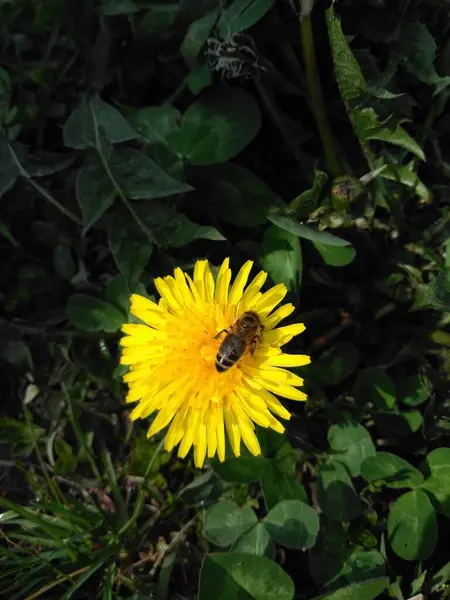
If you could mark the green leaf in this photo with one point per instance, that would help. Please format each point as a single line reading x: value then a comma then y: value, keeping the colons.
x: 417, y: 49
x: 241, y: 15
x: 436, y: 468
x: 81, y: 580
x: 307, y: 202
x: 118, y: 293
x: 216, y: 127
x: 365, y: 590
x: 328, y: 556
x: 47, y: 163
x: 63, y: 261
x: 336, y: 364
x: 173, y: 229
x: 412, y: 526
x: 347, y: 70
x: 335, y: 493
x: 128, y: 169
x: 92, y: 314
x: 256, y: 541
x: 278, y: 486
x: 350, y: 444
x: 5, y: 95
x: 93, y: 120
x: 404, y: 175
x: 225, y: 522
x: 197, y: 34
x: 234, y: 576
x: 240, y: 196
x: 282, y: 257
x: 391, y: 470
x: 304, y: 231
x: 414, y: 390
x: 198, y: 79
x: 108, y: 588
x: 292, y: 524
x: 362, y: 565
x: 335, y: 256
x: 368, y: 127
x: 155, y: 123
x: 66, y: 462
x: 242, y: 469
x: 374, y: 385
x: 131, y: 251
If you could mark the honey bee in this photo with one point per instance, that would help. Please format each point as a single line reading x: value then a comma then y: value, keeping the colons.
x: 244, y: 333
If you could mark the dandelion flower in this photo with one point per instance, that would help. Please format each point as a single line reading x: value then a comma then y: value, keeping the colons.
x: 171, y: 359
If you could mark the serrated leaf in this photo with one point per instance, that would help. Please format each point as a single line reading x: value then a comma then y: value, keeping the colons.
x: 92, y: 120
x: 407, y: 177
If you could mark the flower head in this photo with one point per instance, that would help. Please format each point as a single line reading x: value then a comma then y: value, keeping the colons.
x: 172, y: 355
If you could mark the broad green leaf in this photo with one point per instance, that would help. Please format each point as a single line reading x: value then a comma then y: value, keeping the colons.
x: 131, y: 251
x: 328, y: 556
x: 92, y: 314
x: 197, y: 34
x: 93, y: 120
x: 15, y: 351
x: 155, y: 123
x: 365, y: 590
x: 235, y: 576
x: 304, y: 231
x: 414, y: 390
x: 118, y: 293
x: 417, y: 49
x: 256, y: 541
x: 281, y: 257
x: 198, y: 79
x: 216, y: 127
x: 47, y: 163
x: 277, y: 486
x: 173, y: 229
x: 412, y: 526
x: 403, y: 175
x: 335, y: 493
x: 335, y: 256
x: 237, y: 195
x: 336, y: 364
x: 391, y: 470
x: 293, y: 524
x: 225, y: 522
x: 242, y: 469
x: 350, y: 444
x: 436, y: 468
x: 157, y: 22
x: 129, y: 172
x: 375, y: 385
x: 241, y: 15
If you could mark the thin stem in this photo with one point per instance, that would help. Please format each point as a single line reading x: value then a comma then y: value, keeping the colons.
x: 53, y: 488
x: 79, y: 434
x: 316, y: 97
x: 53, y: 584
x: 172, y: 544
x: 141, y: 494
x: 112, y: 479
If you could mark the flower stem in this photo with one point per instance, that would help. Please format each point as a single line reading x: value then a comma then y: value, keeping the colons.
x: 316, y: 97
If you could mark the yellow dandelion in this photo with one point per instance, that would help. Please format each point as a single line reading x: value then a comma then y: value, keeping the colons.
x: 172, y: 361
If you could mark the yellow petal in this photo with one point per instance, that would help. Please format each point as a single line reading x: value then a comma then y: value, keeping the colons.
x: 280, y: 314
x: 240, y: 282
x: 282, y: 335
x: 249, y: 297
x: 223, y: 283
x: 166, y: 294
x: 232, y: 428
x: 287, y: 391
x: 220, y: 436
x: 199, y: 277
x: 270, y: 299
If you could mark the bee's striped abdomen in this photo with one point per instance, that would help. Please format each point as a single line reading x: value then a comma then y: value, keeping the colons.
x: 230, y: 351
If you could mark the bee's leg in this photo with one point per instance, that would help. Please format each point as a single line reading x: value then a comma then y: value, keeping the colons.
x: 253, y: 347
x: 216, y: 337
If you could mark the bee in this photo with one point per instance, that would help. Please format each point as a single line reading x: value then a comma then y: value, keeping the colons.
x: 244, y: 333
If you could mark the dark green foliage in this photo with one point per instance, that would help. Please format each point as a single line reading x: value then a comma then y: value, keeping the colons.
x: 139, y: 136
